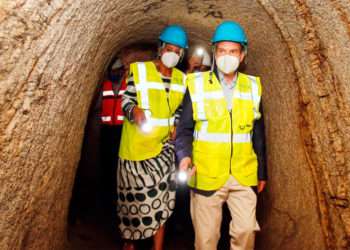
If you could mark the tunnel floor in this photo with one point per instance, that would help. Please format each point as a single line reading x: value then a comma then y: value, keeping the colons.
x: 97, y: 236
x: 98, y: 231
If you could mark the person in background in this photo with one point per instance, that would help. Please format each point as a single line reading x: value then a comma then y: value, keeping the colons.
x: 94, y: 187
x: 112, y: 118
x: 221, y: 142
x: 199, y: 60
x: 112, y: 90
x: 146, y: 167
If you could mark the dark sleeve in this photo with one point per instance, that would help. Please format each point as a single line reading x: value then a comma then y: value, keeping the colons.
x: 184, y: 130
x: 260, y: 146
x: 177, y: 115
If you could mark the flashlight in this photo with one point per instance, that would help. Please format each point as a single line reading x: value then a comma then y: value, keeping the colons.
x: 147, y: 126
x: 183, y: 175
x: 200, y: 52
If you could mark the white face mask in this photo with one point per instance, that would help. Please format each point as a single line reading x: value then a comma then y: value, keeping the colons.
x: 170, y: 59
x: 227, y: 64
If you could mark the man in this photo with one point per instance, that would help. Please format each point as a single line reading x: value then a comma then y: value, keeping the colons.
x: 199, y: 60
x: 146, y: 169
x: 221, y: 138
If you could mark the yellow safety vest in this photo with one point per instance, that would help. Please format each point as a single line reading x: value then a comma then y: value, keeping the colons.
x: 151, y: 96
x: 222, y: 143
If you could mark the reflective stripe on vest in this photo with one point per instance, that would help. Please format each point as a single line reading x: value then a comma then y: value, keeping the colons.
x: 106, y: 118
x: 255, y: 96
x: 200, y: 97
x: 162, y: 122
x: 108, y: 93
x: 203, y: 135
x: 111, y: 110
x: 218, y: 94
x: 155, y: 85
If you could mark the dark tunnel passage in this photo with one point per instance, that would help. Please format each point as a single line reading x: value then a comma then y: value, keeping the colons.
x: 55, y: 53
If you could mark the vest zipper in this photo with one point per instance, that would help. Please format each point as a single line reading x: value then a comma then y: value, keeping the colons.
x: 231, y: 144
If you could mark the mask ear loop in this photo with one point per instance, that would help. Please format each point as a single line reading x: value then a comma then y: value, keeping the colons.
x: 160, y: 47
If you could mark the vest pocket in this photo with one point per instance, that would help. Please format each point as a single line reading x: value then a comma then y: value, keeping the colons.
x: 246, y: 165
x: 211, y: 164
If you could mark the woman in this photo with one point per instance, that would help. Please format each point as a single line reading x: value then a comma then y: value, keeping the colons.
x: 146, y: 168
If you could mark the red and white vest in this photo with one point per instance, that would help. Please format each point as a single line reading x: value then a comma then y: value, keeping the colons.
x: 112, y: 113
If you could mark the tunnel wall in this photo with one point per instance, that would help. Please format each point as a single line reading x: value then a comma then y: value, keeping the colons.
x: 54, y: 52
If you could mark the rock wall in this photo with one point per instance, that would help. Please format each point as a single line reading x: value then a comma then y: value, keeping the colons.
x: 53, y: 52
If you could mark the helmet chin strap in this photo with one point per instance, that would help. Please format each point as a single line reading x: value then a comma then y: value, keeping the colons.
x: 212, y: 66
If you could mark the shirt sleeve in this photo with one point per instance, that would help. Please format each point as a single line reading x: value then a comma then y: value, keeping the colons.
x: 129, y: 100
x: 184, y: 130
x: 259, y: 145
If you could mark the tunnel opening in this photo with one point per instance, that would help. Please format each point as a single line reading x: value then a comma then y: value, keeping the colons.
x: 180, y: 222
x: 55, y: 52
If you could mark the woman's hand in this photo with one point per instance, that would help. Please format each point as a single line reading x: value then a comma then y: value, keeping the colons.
x: 139, y: 115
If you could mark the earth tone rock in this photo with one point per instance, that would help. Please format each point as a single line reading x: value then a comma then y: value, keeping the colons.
x: 54, y: 52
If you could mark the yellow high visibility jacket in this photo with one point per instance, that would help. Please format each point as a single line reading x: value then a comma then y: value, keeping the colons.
x: 137, y: 145
x: 222, y: 143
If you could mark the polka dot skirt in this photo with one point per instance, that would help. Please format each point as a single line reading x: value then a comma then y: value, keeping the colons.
x: 146, y: 194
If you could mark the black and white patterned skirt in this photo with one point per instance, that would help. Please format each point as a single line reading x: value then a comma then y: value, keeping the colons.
x: 146, y: 194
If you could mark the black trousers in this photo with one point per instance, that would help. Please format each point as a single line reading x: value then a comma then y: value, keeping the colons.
x: 109, y: 148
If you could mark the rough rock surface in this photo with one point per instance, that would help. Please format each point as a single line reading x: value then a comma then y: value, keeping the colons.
x: 53, y: 53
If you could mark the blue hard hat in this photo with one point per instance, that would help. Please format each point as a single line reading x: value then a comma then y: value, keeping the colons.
x: 230, y: 31
x: 176, y: 35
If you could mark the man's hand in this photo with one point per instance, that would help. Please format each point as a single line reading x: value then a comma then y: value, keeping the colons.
x: 185, y: 164
x: 139, y: 116
x: 261, y: 186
